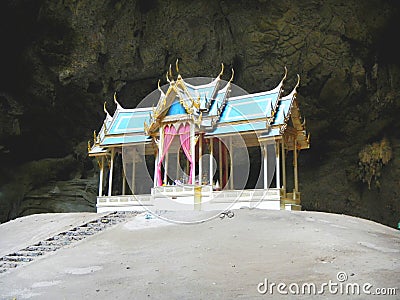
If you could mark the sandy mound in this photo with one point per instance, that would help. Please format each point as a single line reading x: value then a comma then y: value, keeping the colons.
x: 220, y: 259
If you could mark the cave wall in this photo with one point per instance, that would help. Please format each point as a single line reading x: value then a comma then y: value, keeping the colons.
x: 61, y: 59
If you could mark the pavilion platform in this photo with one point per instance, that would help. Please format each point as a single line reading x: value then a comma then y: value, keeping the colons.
x: 190, y: 197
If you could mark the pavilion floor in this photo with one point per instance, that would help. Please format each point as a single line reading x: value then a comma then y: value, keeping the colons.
x: 190, y: 197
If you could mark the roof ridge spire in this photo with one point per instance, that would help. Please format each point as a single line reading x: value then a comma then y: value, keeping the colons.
x: 105, y: 109
x: 177, y: 65
x: 222, y: 70
x: 116, y: 102
x: 233, y: 74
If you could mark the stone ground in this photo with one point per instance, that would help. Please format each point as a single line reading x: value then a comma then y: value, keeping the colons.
x: 218, y: 259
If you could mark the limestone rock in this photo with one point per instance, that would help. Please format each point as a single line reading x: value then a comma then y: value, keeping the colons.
x: 63, y: 59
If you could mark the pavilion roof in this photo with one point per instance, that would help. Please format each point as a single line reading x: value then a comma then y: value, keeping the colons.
x: 211, y: 108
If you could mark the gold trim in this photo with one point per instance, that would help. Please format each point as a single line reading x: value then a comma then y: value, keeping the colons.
x: 105, y: 108
x: 116, y: 102
x: 282, y: 129
x: 298, y: 82
x: 170, y: 72
x: 284, y: 76
x: 158, y: 86
x: 222, y: 70
x: 176, y: 66
x: 233, y: 74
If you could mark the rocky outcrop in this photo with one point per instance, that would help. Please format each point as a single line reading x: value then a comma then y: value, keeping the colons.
x: 65, y: 58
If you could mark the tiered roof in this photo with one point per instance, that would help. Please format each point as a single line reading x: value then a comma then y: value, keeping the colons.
x: 211, y: 107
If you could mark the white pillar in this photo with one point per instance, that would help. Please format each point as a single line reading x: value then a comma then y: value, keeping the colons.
x: 177, y: 164
x: 193, y: 151
x: 133, y: 171
x: 110, y: 176
x: 123, y: 180
x: 158, y: 157
x: 220, y: 162
x: 283, y: 165
x: 101, y: 176
x: 200, y: 159
x: 166, y: 168
x: 231, y: 163
x: 211, y: 160
x: 265, y: 166
x: 155, y: 168
x: 296, y: 181
x: 278, y: 166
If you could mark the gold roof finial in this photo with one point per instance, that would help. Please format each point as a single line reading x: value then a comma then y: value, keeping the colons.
x: 177, y: 66
x: 233, y: 74
x: 298, y: 81
x: 116, y: 102
x: 284, y: 76
x: 222, y: 70
x: 166, y: 76
x: 170, y: 72
x: 105, y: 108
x: 94, y: 137
x: 89, y: 147
x: 158, y: 86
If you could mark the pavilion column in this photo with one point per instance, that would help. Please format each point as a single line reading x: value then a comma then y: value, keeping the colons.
x: 101, y: 176
x: 155, y: 168
x: 220, y: 162
x: 159, y: 154
x: 283, y: 165
x: 200, y: 159
x: 110, y: 176
x: 265, y: 164
x: 226, y: 165
x: 193, y: 152
x: 278, y: 166
x: 211, y: 161
x: 166, y: 168
x: 133, y: 171
x: 296, y: 180
x: 231, y: 163
x: 123, y: 180
x: 177, y: 164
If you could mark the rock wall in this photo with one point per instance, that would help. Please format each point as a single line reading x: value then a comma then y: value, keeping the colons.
x: 62, y: 59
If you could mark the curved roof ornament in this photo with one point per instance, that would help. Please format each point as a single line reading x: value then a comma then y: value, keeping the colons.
x: 94, y: 137
x: 233, y: 74
x: 159, y: 88
x: 280, y: 86
x: 105, y: 109
x: 166, y: 76
x: 284, y: 77
x: 293, y: 93
x: 116, y: 102
x: 177, y: 65
x: 222, y: 70
x: 170, y: 72
x: 298, y: 82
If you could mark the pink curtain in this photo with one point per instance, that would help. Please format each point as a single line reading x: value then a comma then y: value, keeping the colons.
x: 184, y: 134
x: 169, y: 134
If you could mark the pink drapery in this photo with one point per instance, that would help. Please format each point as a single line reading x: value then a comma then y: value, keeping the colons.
x: 184, y: 134
x: 169, y: 134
